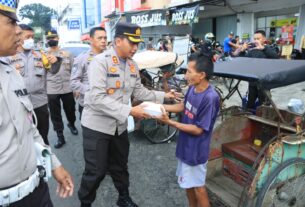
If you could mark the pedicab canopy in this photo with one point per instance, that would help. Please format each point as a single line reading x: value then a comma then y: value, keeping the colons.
x: 269, y: 73
x: 156, y: 59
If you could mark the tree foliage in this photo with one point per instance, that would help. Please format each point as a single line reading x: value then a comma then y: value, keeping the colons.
x: 38, y: 14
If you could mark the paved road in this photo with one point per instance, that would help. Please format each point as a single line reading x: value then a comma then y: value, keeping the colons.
x: 152, y: 167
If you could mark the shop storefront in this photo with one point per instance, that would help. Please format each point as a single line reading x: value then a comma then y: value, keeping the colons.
x: 273, y: 25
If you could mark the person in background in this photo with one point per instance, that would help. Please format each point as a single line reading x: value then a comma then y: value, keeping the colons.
x: 257, y: 49
x: 79, y: 77
x: 59, y: 90
x: 236, y: 50
x: 159, y: 45
x: 30, y: 66
x: 150, y: 45
x: 228, y: 45
x: 200, y: 109
x: 165, y: 45
x: 192, y: 44
x: 169, y: 44
x: 237, y: 40
x: 22, y: 182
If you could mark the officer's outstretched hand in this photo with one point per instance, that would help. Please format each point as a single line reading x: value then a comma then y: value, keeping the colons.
x: 65, y: 185
x: 138, y: 112
x: 172, y: 95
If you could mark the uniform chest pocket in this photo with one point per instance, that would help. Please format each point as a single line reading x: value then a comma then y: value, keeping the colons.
x: 20, y: 68
x: 133, y: 80
x: 39, y: 72
x: 114, y: 82
x: 67, y: 63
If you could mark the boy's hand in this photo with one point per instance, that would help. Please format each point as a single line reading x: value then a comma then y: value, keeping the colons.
x: 164, y: 117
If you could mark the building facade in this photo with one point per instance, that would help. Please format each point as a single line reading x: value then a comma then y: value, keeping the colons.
x: 69, y: 22
x: 238, y: 16
x: 91, y: 13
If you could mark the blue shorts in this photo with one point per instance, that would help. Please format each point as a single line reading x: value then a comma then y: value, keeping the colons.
x: 191, y: 176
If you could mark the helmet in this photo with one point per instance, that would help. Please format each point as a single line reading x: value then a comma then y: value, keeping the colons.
x: 209, y: 37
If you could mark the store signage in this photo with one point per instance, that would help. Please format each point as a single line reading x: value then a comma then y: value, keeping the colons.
x: 147, y: 18
x: 185, y: 15
x: 73, y: 24
x: 284, y: 22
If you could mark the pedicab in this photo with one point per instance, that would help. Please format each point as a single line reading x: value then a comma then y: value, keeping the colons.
x: 157, y: 72
x: 258, y: 160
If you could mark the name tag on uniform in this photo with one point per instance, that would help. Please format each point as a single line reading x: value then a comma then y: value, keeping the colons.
x: 21, y: 92
x: 110, y: 75
x: 133, y: 75
x: 16, y: 60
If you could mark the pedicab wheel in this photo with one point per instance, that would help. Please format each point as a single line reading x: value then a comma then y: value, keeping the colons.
x: 285, y: 186
x: 157, y: 132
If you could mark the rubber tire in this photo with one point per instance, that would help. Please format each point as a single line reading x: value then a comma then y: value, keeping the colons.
x: 283, y: 166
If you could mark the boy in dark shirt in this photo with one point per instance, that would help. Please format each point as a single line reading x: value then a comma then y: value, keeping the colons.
x: 200, y: 110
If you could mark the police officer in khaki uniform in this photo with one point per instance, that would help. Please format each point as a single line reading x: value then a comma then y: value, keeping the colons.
x: 58, y: 88
x: 113, y: 78
x: 79, y: 76
x: 20, y: 183
x: 29, y: 65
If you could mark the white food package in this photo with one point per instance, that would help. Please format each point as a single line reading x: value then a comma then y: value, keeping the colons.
x: 131, y: 124
x: 152, y: 109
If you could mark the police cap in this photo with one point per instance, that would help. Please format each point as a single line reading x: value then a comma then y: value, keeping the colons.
x: 51, y: 34
x: 9, y: 8
x: 131, y: 31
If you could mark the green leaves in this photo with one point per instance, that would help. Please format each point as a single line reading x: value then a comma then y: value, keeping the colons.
x: 38, y: 14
